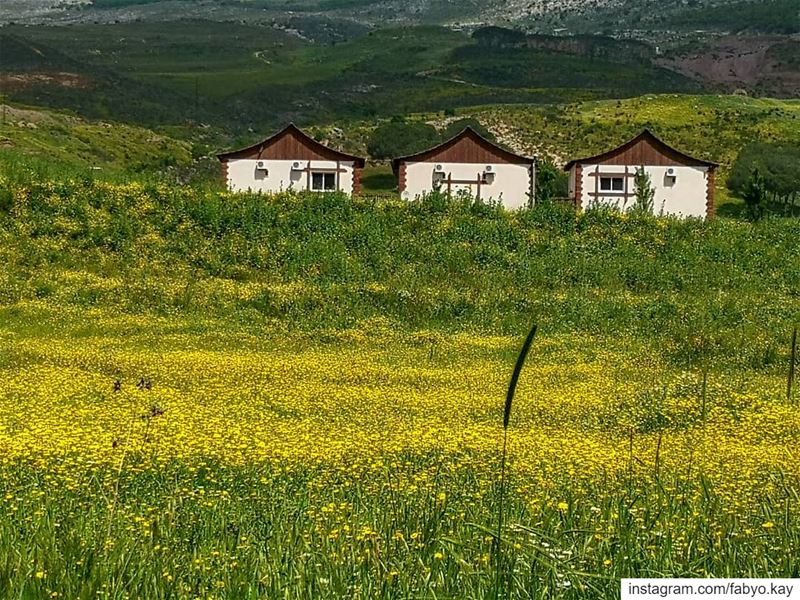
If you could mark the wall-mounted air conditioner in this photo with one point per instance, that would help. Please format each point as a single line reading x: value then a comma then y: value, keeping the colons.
x: 261, y: 165
x: 297, y: 166
x: 671, y: 172
x: 489, y: 170
x: 439, y: 168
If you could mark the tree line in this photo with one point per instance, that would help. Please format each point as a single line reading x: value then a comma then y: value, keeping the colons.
x: 767, y: 177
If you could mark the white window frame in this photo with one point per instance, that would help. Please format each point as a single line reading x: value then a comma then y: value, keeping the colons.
x: 612, y: 178
x: 324, y: 175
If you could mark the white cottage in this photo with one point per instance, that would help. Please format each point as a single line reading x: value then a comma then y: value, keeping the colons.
x: 471, y: 163
x: 684, y: 186
x: 291, y: 159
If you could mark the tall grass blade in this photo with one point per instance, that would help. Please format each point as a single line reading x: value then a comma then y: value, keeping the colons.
x: 512, y: 388
x: 792, y: 366
x: 703, y: 392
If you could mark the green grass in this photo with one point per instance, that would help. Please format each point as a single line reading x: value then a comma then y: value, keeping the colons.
x: 58, y: 143
x: 420, y: 265
x: 379, y: 179
x: 332, y: 380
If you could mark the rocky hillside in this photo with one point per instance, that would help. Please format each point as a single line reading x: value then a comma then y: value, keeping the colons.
x: 632, y: 18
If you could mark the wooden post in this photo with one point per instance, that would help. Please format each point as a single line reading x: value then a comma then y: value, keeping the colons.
x: 578, y: 187
x: 625, y: 199
x: 597, y: 185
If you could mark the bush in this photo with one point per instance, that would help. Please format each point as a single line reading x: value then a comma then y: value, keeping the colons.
x: 551, y: 182
x: 776, y: 165
x: 399, y: 138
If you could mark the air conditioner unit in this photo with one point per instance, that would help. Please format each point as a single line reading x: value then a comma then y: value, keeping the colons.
x: 261, y: 165
x: 489, y: 170
x: 671, y: 172
x: 297, y: 166
x: 439, y: 168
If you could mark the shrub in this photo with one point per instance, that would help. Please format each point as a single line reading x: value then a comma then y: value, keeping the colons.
x: 400, y: 138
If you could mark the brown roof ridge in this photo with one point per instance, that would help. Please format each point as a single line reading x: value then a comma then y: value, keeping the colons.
x: 291, y: 127
x: 468, y: 130
x: 646, y: 133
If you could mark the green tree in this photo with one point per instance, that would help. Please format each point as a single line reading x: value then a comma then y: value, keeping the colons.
x: 551, y: 182
x: 778, y: 177
x: 644, y: 192
x: 400, y: 138
x: 755, y: 194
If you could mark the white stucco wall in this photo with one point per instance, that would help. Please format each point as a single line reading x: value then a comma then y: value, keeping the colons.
x: 279, y: 176
x: 685, y: 196
x: 511, y: 184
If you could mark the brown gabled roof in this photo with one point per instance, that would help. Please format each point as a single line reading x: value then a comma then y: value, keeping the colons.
x: 484, y: 151
x: 291, y: 143
x: 641, y: 150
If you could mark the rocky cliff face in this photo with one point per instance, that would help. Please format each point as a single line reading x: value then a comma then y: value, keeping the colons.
x: 582, y: 45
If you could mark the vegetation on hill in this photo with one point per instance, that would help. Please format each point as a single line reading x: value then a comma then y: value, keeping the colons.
x: 712, y: 127
x: 400, y: 137
x: 327, y: 261
x: 764, y: 16
x: 668, y: 21
x: 268, y: 76
x: 776, y: 164
x: 46, y: 74
x: 61, y: 144
x: 456, y: 126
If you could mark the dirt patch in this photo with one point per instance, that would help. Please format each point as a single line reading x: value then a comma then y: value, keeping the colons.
x: 737, y: 62
x: 14, y: 82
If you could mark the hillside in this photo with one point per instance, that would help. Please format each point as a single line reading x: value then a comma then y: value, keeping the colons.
x: 765, y: 65
x: 54, y: 142
x: 711, y: 127
x: 245, y: 77
x: 335, y: 18
x: 182, y: 72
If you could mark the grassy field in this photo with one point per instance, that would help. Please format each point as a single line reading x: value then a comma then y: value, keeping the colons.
x: 220, y: 396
